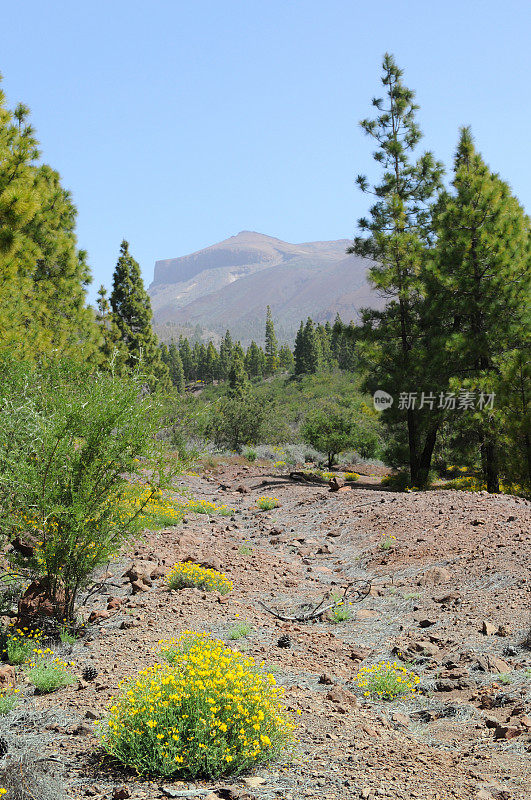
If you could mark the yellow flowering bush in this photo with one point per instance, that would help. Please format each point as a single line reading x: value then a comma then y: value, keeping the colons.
x: 208, y: 711
x: 159, y: 509
x: 48, y: 676
x: 386, y: 680
x: 185, y: 574
x: 19, y: 644
x: 268, y: 503
x: 351, y: 477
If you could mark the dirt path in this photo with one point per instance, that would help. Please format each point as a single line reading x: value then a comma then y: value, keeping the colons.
x: 459, y: 564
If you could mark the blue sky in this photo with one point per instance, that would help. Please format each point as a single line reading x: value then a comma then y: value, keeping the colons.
x: 178, y: 124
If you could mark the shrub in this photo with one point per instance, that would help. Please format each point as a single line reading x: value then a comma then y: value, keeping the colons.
x: 48, y: 676
x: 236, y: 421
x: 267, y: 503
x: 68, y: 437
x: 398, y: 482
x: 387, y: 542
x: 26, y: 775
x: 341, y: 613
x: 250, y: 455
x: 185, y: 574
x: 386, y: 680
x: 19, y: 644
x: 8, y: 699
x: 209, y: 711
x: 240, y: 630
x: 335, y: 428
x: 351, y: 477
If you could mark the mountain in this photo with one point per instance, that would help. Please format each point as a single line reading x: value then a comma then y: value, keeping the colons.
x: 229, y: 285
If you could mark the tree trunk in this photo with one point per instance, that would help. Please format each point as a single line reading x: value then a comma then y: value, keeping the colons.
x: 426, y: 455
x: 491, y: 465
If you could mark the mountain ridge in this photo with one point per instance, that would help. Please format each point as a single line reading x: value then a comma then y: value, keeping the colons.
x: 229, y: 284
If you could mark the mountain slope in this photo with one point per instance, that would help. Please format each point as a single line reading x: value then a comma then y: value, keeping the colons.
x: 229, y: 284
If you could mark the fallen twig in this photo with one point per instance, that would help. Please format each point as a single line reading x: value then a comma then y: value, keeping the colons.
x: 317, y: 611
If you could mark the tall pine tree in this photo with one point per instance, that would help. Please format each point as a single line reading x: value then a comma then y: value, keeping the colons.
x: 479, y: 287
x: 131, y: 308
x: 397, y: 238
x: 271, y: 346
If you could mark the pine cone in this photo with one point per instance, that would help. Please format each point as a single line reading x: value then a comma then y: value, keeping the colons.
x: 4, y: 747
x: 284, y: 641
x: 89, y: 673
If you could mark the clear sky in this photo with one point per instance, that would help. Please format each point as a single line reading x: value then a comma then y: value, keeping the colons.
x: 178, y: 123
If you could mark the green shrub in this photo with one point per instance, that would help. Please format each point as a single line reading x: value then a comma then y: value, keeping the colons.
x: 398, y: 482
x: 68, y: 437
x: 208, y: 712
x: 267, y: 503
x: 386, y: 680
x: 186, y: 574
x: 250, y: 455
x: 240, y: 630
x: 8, y: 700
x: 48, y: 676
x: 236, y: 421
x: 335, y: 428
x: 19, y: 644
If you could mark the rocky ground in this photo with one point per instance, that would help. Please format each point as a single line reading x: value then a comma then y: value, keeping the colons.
x: 450, y: 593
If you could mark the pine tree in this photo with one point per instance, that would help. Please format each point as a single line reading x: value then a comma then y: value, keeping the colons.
x: 324, y: 347
x: 397, y: 238
x: 211, y: 364
x: 185, y: 351
x: 112, y: 349
x: 254, y: 361
x: 200, y: 358
x: 298, y: 352
x: 271, y: 346
x: 225, y: 356
x: 238, y: 380
x: 131, y: 308
x: 312, y: 349
x: 175, y: 367
x: 286, y: 361
x: 42, y: 273
x: 480, y: 285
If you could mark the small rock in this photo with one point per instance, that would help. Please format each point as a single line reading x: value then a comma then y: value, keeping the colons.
x: 487, y: 628
x: 95, y: 616
x: 503, y: 630
x: 8, y: 676
x: 342, y: 696
x: 91, y: 713
x: 139, y: 586
x: 427, y: 623
x: 434, y: 576
x: 253, y: 781
x: 121, y: 793
x: 400, y: 719
x: 506, y: 731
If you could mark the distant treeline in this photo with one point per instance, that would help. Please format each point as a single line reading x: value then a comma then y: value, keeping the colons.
x: 318, y: 348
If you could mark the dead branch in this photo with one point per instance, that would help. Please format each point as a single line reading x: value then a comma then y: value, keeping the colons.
x: 361, y: 592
